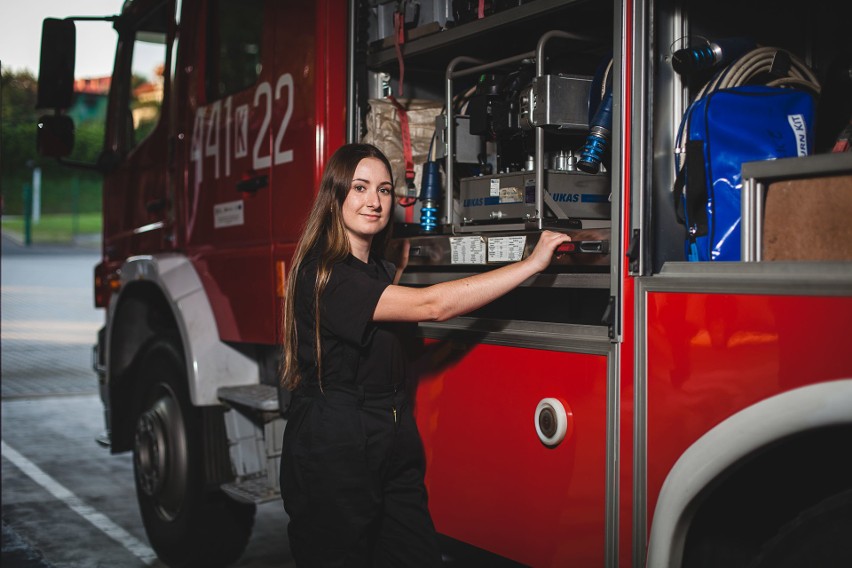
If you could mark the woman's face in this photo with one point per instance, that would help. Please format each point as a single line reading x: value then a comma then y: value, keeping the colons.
x: 366, y: 209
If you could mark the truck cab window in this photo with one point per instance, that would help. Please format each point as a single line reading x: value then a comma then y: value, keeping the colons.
x: 146, y: 84
x: 234, y: 33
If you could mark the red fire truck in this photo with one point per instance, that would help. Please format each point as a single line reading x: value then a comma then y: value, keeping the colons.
x: 627, y: 407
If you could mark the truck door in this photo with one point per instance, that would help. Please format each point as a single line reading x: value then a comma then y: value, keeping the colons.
x: 137, y: 190
x: 229, y: 159
x: 308, y: 117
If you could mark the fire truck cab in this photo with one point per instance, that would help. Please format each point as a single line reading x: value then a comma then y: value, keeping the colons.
x: 631, y: 405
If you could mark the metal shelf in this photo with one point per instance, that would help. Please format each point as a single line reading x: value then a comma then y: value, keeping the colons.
x: 472, y: 32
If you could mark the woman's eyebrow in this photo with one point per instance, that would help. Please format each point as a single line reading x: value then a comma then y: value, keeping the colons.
x: 387, y: 182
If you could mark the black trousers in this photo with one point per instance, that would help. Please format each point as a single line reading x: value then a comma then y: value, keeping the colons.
x: 352, y: 469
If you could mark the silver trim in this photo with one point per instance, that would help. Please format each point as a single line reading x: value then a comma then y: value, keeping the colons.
x: 448, y: 217
x: 617, y: 247
x: 613, y: 461
x: 551, y: 336
x: 810, y: 166
x: 750, y: 244
x: 640, y: 421
x: 787, y: 278
x: 351, y: 133
x: 569, y: 280
x: 149, y: 227
x: 756, y: 177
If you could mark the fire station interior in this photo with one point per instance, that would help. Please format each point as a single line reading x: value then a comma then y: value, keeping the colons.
x: 516, y: 115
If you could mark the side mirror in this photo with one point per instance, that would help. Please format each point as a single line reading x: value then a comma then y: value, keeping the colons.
x: 55, y: 136
x: 56, y: 67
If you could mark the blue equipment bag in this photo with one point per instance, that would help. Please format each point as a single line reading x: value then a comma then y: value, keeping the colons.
x: 724, y: 129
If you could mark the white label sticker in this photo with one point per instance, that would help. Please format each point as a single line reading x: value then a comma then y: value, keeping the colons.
x: 797, y: 125
x: 506, y: 249
x: 228, y: 214
x: 494, y: 188
x: 467, y: 250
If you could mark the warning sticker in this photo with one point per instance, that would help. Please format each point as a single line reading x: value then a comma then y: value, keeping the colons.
x: 506, y: 249
x: 511, y: 195
x: 494, y: 187
x: 228, y: 214
x: 467, y: 250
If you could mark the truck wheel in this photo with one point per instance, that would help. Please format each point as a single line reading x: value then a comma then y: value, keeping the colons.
x: 187, y: 524
x: 817, y: 537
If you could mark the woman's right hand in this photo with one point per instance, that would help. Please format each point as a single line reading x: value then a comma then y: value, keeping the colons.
x: 542, y: 254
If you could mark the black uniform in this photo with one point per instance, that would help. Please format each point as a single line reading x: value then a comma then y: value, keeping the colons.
x: 352, y: 464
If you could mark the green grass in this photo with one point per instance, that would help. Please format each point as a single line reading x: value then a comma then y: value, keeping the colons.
x: 56, y: 228
x: 61, y: 192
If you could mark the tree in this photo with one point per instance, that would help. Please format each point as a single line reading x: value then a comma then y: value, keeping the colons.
x: 18, y: 100
x: 19, y: 156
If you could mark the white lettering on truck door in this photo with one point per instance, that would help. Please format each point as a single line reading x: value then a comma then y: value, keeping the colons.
x: 206, y: 141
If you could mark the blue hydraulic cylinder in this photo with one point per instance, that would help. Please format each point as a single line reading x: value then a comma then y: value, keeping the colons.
x: 430, y: 195
x: 597, y: 141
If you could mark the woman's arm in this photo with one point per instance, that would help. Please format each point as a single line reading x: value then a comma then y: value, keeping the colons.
x: 446, y: 300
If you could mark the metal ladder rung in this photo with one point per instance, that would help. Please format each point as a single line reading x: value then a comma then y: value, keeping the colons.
x: 259, y: 397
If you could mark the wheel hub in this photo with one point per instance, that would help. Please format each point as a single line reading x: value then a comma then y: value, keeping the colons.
x: 152, y: 453
x: 160, y: 456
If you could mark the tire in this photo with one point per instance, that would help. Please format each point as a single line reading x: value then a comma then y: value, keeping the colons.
x: 187, y: 524
x: 819, y: 537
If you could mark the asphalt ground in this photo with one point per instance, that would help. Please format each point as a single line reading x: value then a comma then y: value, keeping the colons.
x: 66, y: 502
x: 49, y: 322
x: 46, y: 345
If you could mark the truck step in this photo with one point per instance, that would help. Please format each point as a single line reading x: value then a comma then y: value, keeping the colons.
x: 258, y: 397
x: 253, y: 490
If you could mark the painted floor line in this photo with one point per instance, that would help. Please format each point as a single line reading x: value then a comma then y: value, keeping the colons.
x: 99, y: 520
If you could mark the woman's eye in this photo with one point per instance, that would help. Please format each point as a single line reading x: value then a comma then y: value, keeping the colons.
x: 386, y: 190
x: 358, y: 187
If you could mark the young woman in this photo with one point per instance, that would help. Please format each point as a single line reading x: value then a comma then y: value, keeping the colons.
x: 352, y: 464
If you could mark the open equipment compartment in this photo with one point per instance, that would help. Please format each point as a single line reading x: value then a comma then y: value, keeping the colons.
x: 816, y: 34
x: 523, y: 84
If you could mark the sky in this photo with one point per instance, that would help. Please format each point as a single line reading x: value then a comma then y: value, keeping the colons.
x: 20, y: 34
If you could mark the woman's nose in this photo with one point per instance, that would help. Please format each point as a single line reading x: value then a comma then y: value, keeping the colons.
x: 373, y: 199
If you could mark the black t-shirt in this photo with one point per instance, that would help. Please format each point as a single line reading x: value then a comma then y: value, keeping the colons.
x: 355, y: 350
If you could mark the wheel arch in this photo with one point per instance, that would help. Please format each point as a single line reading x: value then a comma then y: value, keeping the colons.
x: 162, y: 294
x: 745, y: 445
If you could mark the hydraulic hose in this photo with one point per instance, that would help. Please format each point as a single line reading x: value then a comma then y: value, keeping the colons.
x: 745, y: 69
x: 760, y: 61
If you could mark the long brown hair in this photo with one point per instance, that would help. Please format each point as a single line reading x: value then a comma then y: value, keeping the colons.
x: 325, y: 233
